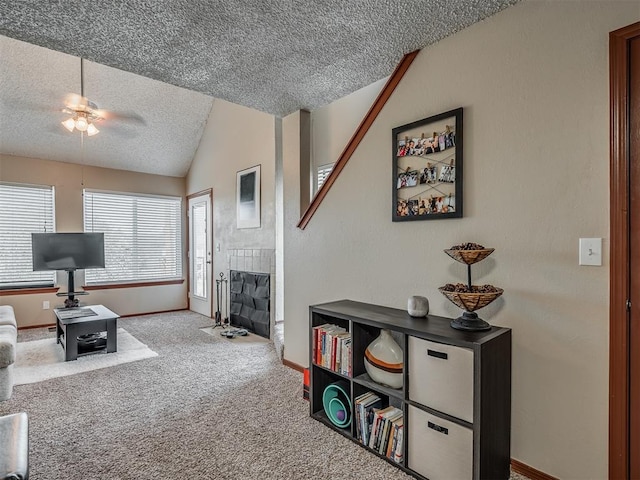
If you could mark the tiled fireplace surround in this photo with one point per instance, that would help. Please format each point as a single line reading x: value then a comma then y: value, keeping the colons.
x: 256, y: 260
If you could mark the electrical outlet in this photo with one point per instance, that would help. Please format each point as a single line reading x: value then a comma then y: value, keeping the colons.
x: 45, y: 305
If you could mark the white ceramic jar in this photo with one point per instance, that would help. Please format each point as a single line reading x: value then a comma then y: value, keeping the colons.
x: 383, y: 360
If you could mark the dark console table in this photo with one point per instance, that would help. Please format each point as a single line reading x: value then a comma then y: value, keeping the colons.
x: 72, y: 323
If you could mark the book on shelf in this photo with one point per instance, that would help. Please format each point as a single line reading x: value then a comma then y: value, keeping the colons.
x: 317, y: 342
x: 383, y: 436
x: 367, y: 409
x: 375, y: 427
x: 393, y: 441
x: 398, y: 454
x: 380, y: 429
x: 332, y: 348
x: 338, y: 359
x: 345, y: 365
x: 357, y: 403
x: 328, y: 345
x: 387, y: 428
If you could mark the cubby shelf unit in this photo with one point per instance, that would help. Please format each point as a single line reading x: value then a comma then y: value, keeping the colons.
x: 456, y: 392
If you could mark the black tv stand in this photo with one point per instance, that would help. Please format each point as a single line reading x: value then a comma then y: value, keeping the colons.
x: 71, y: 301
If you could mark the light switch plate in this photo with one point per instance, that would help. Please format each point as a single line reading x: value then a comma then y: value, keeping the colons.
x: 591, y: 251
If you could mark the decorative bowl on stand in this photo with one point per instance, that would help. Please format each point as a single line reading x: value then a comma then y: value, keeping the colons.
x: 470, y: 297
x: 469, y: 257
x: 471, y: 301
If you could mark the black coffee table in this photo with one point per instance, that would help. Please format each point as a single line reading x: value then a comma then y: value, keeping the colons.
x: 72, y: 323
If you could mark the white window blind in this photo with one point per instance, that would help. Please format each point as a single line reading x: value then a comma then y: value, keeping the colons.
x: 323, y: 173
x: 142, y: 236
x: 24, y: 209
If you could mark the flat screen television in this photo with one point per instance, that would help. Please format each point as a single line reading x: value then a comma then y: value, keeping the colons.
x: 67, y: 251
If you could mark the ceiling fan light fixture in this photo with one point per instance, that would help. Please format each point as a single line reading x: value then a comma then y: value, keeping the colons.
x: 83, y: 112
x: 69, y: 124
x: 92, y: 130
x: 81, y: 123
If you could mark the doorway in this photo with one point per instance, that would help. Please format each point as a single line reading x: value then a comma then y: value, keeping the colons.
x: 200, y: 258
x: 624, y: 309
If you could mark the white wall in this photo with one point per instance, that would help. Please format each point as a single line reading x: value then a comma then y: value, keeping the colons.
x: 235, y: 138
x: 69, y: 180
x: 533, y: 81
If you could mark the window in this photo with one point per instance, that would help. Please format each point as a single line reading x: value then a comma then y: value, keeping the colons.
x: 24, y: 209
x: 142, y: 236
x: 323, y: 173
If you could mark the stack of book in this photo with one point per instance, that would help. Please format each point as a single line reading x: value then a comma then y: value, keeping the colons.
x: 381, y: 429
x: 332, y: 348
x: 365, y: 407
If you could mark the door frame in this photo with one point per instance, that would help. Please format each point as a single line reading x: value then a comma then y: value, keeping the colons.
x: 620, y: 274
x: 201, y: 193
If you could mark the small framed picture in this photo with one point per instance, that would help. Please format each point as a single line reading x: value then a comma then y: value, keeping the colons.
x: 248, y: 198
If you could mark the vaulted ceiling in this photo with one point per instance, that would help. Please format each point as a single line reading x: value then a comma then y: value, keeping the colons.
x: 160, y: 64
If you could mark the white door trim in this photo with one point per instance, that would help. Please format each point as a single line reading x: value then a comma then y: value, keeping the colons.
x: 199, y: 303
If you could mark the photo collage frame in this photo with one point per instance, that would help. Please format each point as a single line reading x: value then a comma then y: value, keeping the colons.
x: 427, y: 168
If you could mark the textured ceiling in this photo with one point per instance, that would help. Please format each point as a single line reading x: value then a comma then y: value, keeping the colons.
x: 159, y: 131
x: 276, y: 56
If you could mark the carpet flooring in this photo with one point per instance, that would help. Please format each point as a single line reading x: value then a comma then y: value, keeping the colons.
x: 206, y: 407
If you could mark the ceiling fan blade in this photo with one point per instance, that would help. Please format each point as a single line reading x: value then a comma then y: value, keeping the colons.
x: 122, y: 131
x: 75, y: 101
x: 126, y: 117
x: 27, y: 106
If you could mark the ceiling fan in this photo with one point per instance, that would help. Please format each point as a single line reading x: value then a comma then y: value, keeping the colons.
x: 84, y: 114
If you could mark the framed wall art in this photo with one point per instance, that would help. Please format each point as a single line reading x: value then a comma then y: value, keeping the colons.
x: 427, y: 168
x: 248, y: 198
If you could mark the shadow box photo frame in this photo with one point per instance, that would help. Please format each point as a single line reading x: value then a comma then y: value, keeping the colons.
x: 248, y: 198
x: 427, y: 168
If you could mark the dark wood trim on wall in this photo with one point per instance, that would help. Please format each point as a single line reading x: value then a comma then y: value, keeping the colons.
x: 619, y: 261
x: 151, y: 313
x: 295, y: 366
x: 43, y: 325
x: 359, y: 134
x: 208, y: 191
x: 27, y: 291
x: 529, y: 472
x: 133, y: 285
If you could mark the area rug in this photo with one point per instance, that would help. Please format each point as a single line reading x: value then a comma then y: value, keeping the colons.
x: 40, y: 360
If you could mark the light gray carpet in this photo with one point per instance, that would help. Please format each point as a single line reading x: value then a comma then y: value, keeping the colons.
x: 205, y: 408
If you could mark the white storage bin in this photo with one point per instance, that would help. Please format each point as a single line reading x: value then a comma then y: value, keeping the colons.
x: 438, y: 449
x: 441, y: 377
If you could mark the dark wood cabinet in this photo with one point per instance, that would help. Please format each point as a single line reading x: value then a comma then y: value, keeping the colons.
x: 455, y: 397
